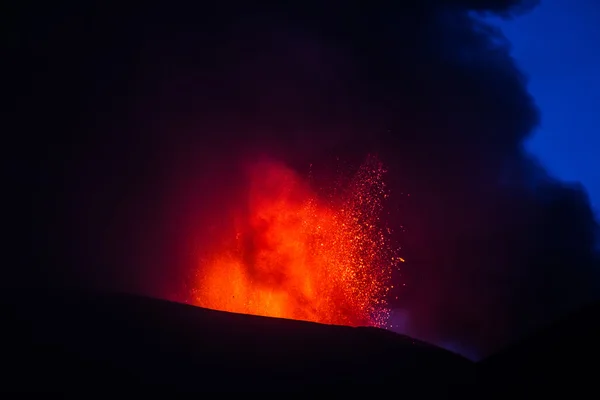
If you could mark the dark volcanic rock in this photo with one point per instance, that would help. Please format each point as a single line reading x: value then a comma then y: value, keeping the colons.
x: 566, y: 352
x: 69, y: 340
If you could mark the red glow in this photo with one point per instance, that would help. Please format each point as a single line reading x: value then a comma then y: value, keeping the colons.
x: 298, y: 257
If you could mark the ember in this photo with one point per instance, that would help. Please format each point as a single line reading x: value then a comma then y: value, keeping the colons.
x: 298, y: 256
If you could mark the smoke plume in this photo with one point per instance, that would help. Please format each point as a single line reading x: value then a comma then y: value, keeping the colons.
x: 143, y: 118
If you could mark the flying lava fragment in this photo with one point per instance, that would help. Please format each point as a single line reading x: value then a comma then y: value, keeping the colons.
x: 297, y: 255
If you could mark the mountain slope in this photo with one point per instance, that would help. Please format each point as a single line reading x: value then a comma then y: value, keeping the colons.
x: 65, y: 340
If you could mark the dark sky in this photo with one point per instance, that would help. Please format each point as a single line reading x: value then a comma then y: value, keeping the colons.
x: 130, y: 124
x: 557, y: 46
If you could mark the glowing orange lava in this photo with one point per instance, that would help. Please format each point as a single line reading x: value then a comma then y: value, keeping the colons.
x: 298, y: 257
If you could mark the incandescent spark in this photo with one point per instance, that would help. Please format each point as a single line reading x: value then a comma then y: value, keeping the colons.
x: 297, y: 256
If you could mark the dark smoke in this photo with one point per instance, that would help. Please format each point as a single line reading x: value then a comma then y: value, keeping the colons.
x: 131, y: 126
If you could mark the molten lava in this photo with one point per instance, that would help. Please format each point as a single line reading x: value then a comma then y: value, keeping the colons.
x: 296, y: 256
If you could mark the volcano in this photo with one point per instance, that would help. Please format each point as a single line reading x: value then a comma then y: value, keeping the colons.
x: 66, y: 340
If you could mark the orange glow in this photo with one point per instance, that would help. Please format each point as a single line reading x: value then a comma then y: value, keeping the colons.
x: 296, y: 256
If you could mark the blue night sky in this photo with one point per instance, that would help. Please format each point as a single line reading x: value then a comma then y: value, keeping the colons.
x: 558, y: 46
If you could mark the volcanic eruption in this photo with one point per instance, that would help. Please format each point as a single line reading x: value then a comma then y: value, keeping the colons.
x: 141, y: 116
x: 295, y: 254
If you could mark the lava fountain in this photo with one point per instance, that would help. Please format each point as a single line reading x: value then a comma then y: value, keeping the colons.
x: 297, y: 255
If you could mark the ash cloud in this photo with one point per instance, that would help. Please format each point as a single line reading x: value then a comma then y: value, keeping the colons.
x: 143, y: 118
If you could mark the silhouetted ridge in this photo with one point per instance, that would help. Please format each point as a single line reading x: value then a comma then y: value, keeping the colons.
x: 60, y: 340
x: 563, y: 353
